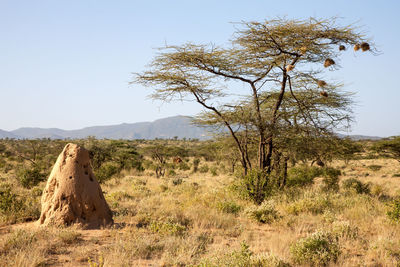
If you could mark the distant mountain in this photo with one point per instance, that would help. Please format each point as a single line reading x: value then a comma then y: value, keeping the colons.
x: 180, y: 126
x: 360, y: 137
x: 5, y: 134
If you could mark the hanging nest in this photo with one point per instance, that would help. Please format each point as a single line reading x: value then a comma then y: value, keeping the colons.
x: 324, y: 94
x: 365, y: 47
x: 342, y: 48
x: 357, y: 47
x: 328, y: 62
x: 289, y: 67
x: 321, y: 83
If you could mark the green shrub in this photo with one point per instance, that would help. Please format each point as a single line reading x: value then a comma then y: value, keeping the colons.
x: 394, y: 210
x: 203, y: 169
x: 374, y: 167
x: 315, y: 204
x: 331, y: 179
x: 303, y: 176
x: 170, y: 226
x: 229, y: 207
x: 183, y: 166
x: 106, y: 171
x: 213, y: 171
x: 171, y: 173
x: 30, y: 177
x: 255, y: 185
x: 396, y: 175
x: 177, y: 181
x: 318, y: 249
x: 265, y: 213
x: 9, y: 202
x: 353, y: 184
x: 196, y: 163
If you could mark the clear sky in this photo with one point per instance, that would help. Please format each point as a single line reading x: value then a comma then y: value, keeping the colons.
x: 67, y: 64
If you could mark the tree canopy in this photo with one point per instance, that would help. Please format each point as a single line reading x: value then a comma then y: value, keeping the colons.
x: 281, y: 62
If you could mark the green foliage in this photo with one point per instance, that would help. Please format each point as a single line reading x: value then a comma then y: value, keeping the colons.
x: 256, y: 185
x: 171, y: 173
x: 388, y: 147
x: 9, y: 202
x: 331, y: 179
x: 314, y: 203
x: 374, y: 167
x: 177, y: 181
x: 229, y: 207
x: 183, y: 166
x: 394, y: 210
x: 303, y: 175
x: 30, y: 177
x: 106, y: 171
x: 196, y: 163
x: 318, y: 249
x: 167, y: 228
x: 213, y: 171
x: 265, y: 213
x: 204, y: 168
x: 353, y: 184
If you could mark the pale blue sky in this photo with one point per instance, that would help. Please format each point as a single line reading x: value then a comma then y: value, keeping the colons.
x: 67, y: 64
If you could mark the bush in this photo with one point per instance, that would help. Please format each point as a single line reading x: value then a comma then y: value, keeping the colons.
x: 331, y: 179
x: 171, y: 173
x: 229, y: 207
x: 303, y: 176
x: 213, y: 171
x: 256, y: 186
x: 9, y: 202
x: 374, y: 167
x: 196, y: 163
x: 184, y: 166
x: 203, y: 169
x: 177, y: 181
x: 30, y: 177
x: 106, y: 171
x: 394, y: 210
x: 265, y: 213
x: 315, y: 204
x: 319, y: 249
x: 353, y: 184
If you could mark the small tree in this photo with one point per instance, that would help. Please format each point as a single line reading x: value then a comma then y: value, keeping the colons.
x: 388, y: 147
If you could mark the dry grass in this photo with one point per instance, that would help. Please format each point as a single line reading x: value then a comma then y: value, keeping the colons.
x: 201, y: 222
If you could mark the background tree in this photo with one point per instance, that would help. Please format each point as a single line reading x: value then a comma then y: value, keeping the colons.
x: 388, y: 147
x: 271, y: 59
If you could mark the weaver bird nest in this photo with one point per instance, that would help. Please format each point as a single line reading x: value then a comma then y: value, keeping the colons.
x: 324, y: 94
x: 321, y: 83
x: 365, y: 47
x: 328, y: 62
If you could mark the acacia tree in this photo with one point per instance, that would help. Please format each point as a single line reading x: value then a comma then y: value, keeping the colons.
x: 271, y: 58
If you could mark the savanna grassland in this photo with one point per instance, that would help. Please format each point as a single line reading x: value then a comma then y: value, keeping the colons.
x: 197, y: 210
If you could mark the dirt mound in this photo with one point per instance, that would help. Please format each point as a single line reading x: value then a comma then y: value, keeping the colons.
x: 72, y: 194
